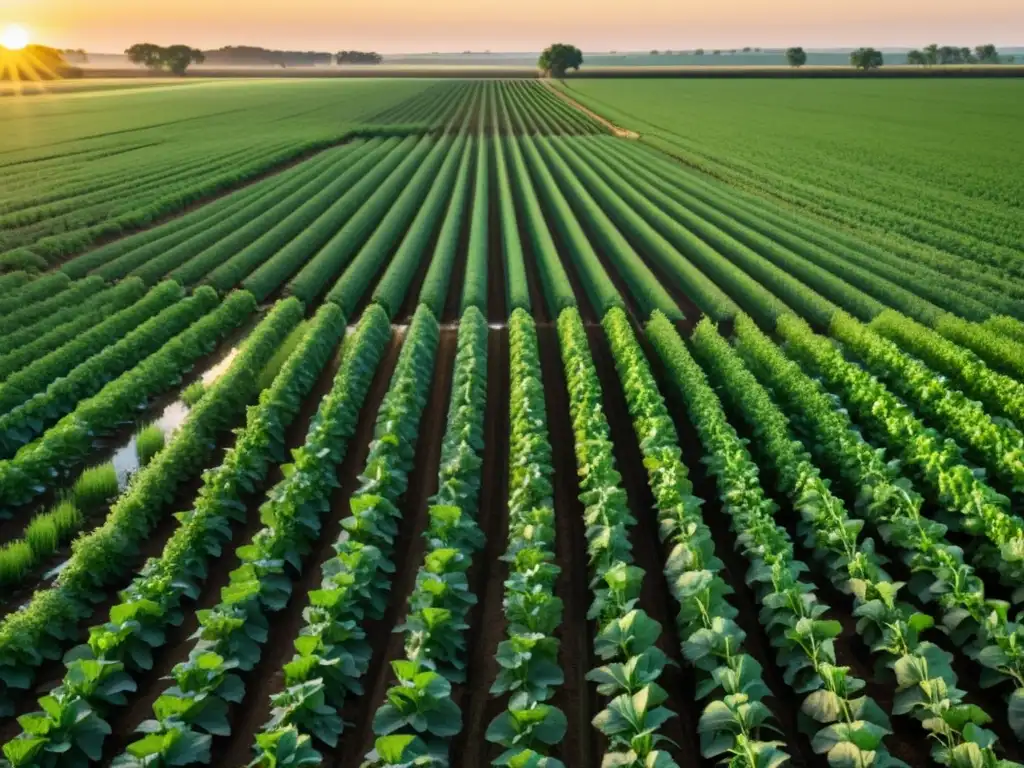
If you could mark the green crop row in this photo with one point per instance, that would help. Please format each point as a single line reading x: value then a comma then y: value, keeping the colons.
x: 40, y: 630
x: 357, y: 579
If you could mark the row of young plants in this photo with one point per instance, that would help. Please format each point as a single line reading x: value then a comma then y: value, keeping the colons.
x: 999, y: 393
x: 1002, y: 352
x: 849, y: 727
x: 230, y: 635
x: 736, y: 724
x: 890, y: 503
x: 622, y: 202
x: 122, y: 647
x: 43, y: 628
x: 711, y: 273
x: 70, y: 441
x: 474, y: 286
x: 1009, y: 328
x: 75, y: 294
x: 517, y: 288
x: 529, y: 673
x: 405, y: 264
x: 725, y: 227
x: 647, y: 290
x: 332, y: 653
x: 48, y: 250
x: 287, y: 246
x: 138, y: 248
x: 434, y: 291
x: 36, y: 377
x: 601, y: 291
x: 377, y: 247
x: 971, y: 504
x: 389, y: 179
x: 925, y: 681
x: 178, y: 253
x: 35, y: 290
x: 997, y: 446
x: 293, y: 234
x: 12, y: 282
x: 554, y: 281
x: 419, y: 717
x: 102, y: 364
x: 626, y: 637
x: 24, y: 347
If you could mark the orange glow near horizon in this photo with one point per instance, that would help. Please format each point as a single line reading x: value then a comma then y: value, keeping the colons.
x: 408, y: 26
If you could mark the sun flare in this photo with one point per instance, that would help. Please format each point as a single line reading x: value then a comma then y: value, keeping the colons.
x: 14, y: 37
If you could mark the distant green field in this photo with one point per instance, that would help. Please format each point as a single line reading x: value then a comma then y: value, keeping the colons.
x: 932, y: 164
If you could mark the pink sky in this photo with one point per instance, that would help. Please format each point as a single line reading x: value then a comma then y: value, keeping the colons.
x: 393, y: 26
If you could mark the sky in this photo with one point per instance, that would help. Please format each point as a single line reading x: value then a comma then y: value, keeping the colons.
x: 422, y: 26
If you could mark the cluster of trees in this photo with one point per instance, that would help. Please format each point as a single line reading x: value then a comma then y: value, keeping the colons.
x: 358, y: 57
x: 174, y: 58
x: 949, y: 54
x: 866, y: 58
x: 557, y: 59
x: 246, y: 55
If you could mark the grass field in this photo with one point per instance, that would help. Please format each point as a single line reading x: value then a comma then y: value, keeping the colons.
x: 441, y: 423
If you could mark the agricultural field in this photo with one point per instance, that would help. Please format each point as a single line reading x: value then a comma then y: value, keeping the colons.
x: 464, y: 423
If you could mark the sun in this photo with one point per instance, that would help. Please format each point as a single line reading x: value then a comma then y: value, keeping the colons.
x: 14, y: 37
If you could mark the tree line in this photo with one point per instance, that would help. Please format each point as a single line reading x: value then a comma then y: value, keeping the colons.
x: 869, y: 58
x: 176, y: 59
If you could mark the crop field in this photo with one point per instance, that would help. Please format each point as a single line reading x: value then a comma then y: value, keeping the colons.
x: 462, y: 423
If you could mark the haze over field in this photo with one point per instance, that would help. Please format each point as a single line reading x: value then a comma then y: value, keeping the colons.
x: 392, y: 26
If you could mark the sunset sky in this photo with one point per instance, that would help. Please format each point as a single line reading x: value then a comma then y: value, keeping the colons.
x: 393, y: 26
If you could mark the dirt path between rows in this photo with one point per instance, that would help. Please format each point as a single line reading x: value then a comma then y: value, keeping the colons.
x: 622, y: 133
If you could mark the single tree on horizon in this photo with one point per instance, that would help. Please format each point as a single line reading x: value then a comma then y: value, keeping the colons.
x: 557, y: 59
x: 796, y: 56
x: 866, y: 58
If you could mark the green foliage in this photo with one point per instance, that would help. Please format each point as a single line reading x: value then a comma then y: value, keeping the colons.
x: 557, y: 59
x: 37, y: 632
x: 96, y: 487
x: 474, y: 289
x: 193, y: 393
x: 332, y: 651
x: 149, y: 441
x: 866, y: 58
x: 528, y: 658
x: 796, y: 57
x: 174, y: 58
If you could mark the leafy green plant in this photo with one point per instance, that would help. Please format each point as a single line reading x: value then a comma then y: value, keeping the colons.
x: 626, y: 635
x: 149, y: 441
x: 44, y: 628
x: 191, y: 394
x: 528, y: 658
x: 96, y: 486
x: 331, y: 649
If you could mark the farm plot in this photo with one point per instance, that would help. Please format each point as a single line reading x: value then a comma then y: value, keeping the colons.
x: 485, y: 437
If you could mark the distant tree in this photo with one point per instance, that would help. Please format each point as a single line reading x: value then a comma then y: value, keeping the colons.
x: 757, y: 50
x: 917, y: 57
x: 654, y: 52
x: 747, y: 49
x: 716, y: 52
x: 557, y: 59
x: 37, y: 62
x: 178, y: 58
x: 987, y: 54
x: 699, y: 52
x: 175, y: 58
x: 866, y: 58
x: 146, y: 55
x: 796, y: 56
x: 1009, y: 59
x: 358, y: 57
x: 931, y: 54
